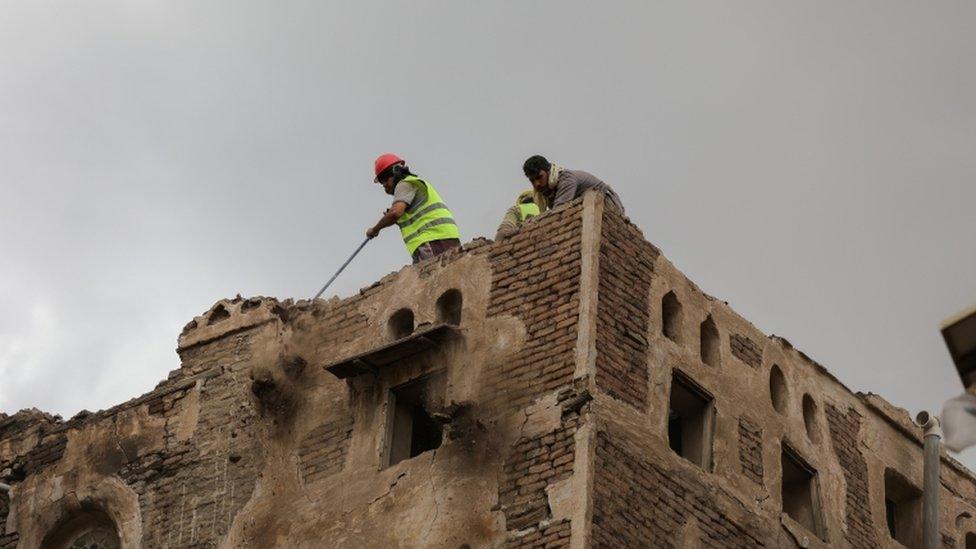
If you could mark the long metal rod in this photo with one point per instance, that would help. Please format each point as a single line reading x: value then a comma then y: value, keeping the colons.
x: 930, y: 479
x: 354, y: 254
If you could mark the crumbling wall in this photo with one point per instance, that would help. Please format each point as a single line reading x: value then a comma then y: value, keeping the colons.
x: 170, y: 468
x: 552, y: 394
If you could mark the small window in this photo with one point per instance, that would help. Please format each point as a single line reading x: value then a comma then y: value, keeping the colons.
x: 970, y: 541
x: 671, y: 317
x: 411, y: 428
x: 690, y: 421
x: 810, y: 418
x: 710, y: 353
x: 778, y: 392
x: 801, y: 498
x: 449, y: 307
x: 400, y: 324
x: 903, y: 509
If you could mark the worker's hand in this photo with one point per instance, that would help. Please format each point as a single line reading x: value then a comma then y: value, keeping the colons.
x: 372, y: 232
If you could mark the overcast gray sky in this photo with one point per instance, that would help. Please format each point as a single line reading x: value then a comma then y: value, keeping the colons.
x: 813, y: 164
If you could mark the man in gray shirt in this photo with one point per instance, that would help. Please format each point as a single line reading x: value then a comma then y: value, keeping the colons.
x: 558, y: 185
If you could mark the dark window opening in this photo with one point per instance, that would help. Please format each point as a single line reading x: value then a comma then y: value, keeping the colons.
x: 903, y: 509
x: 412, y: 429
x: 690, y: 421
x: 778, y: 392
x: 449, y: 307
x: 800, y: 492
x: 710, y: 353
x: 970, y: 541
x: 401, y: 324
x: 671, y: 317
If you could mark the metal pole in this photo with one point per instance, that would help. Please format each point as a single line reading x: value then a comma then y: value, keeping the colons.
x: 930, y: 479
x: 341, y: 268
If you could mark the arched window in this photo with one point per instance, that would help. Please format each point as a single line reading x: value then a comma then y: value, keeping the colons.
x: 87, y: 530
x: 449, y: 307
x: 810, y: 418
x: 400, y: 324
x: 710, y: 353
x: 671, y: 317
x: 778, y: 393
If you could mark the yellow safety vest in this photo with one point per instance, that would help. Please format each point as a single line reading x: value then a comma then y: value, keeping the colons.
x: 528, y: 210
x: 427, y: 221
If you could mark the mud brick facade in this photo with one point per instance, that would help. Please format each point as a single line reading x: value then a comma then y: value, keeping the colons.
x: 543, y: 416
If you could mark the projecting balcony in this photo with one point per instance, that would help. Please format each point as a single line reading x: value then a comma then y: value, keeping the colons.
x: 420, y: 341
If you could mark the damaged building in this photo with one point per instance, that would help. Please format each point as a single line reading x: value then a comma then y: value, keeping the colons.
x: 565, y: 386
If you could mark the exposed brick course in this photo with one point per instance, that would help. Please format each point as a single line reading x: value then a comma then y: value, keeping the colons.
x: 637, y: 503
x: 323, y: 450
x: 844, y: 436
x: 533, y: 464
x: 623, y: 310
x: 535, y: 277
x: 750, y: 450
x: 554, y: 534
x: 746, y: 350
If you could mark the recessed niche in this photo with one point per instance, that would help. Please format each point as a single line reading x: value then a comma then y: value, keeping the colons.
x: 449, y: 307
x: 810, y: 418
x: 778, y: 393
x: 671, y: 317
x: 710, y: 352
x: 400, y: 324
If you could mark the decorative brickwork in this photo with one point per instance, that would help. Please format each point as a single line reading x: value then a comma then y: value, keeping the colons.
x: 637, y: 503
x: 746, y: 350
x: 750, y: 450
x: 535, y: 277
x: 844, y: 436
x: 323, y: 450
x: 623, y: 310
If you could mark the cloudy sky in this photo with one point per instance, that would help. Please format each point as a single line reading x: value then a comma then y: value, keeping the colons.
x: 813, y: 164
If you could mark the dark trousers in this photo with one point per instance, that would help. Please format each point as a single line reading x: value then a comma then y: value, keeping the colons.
x: 434, y: 248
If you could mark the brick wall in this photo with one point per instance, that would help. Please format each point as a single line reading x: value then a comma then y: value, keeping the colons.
x: 623, y: 310
x: 190, y: 491
x: 536, y: 277
x: 844, y: 436
x: 638, y: 503
x: 323, y: 450
x: 750, y: 450
x: 532, y: 465
x: 746, y: 350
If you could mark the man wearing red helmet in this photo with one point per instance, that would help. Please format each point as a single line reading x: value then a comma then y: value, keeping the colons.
x: 426, y: 225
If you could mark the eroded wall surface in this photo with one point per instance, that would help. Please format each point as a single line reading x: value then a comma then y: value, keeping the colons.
x: 252, y: 443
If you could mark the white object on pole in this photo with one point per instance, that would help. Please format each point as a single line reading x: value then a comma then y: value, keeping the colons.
x: 959, y: 422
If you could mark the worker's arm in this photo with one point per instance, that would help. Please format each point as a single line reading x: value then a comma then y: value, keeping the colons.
x: 565, y: 188
x: 510, y: 223
x: 389, y: 218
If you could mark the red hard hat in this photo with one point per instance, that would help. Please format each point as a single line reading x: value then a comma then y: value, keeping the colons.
x: 384, y: 161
